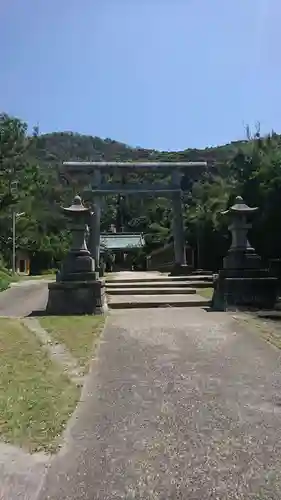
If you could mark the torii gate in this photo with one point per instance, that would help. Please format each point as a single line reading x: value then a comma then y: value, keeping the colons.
x: 99, y: 186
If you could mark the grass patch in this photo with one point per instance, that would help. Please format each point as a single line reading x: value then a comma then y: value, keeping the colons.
x: 78, y: 333
x: 36, y: 398
x: 6, y: 278
x: 205, y: 292
x: 268, y: 329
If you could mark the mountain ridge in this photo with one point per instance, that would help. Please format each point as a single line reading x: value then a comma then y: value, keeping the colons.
x: 66, y: 146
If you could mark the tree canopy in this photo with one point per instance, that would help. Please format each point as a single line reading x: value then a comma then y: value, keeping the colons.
x: 30, y: 182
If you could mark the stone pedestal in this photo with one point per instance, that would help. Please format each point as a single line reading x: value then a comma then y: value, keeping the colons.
x: 242, y: 282
x: 275, y: 269
x: 76, y: 297
x: 253, y: 289
x: 77, y: 289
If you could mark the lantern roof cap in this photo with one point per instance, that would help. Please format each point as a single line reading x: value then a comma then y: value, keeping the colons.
x: 77, y: 206
x: 240, y: 207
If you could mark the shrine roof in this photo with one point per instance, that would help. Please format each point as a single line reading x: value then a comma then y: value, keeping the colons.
x: 121, y: 241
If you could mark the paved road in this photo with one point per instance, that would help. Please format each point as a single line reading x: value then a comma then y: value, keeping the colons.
x: 180, y: 404
x: 23, y: 298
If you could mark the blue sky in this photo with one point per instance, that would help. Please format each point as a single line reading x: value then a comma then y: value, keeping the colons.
x: 163, y: 74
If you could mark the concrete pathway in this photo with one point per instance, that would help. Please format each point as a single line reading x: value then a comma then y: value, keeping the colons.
x: 180, y: 404
x: 20, y: 473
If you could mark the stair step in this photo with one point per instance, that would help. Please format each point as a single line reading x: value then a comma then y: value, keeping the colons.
x: 140, y: 301
x: 149, y: 291
x: 161, y: 279
x: 158, y: 285
x: 202, y: 272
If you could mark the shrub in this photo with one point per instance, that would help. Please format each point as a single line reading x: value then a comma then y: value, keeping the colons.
x: 5, y: 279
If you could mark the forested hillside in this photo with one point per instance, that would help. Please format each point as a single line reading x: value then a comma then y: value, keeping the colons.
x: 250, y: 168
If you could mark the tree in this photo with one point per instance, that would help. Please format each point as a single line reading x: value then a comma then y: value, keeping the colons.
x: 250, y: 168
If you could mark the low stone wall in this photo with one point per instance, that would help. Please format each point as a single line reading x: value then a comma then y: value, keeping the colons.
x: 162, y: 259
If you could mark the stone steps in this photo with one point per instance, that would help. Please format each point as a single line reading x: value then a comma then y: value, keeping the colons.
x: 155, y: 301
x: 149, y: 291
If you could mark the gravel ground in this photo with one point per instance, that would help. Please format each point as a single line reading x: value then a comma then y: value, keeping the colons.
x: 180, y: 404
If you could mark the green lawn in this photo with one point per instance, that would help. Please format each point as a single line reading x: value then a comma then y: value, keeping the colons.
x: 79, y: 334
x: 205, y: 292
x: 36, y: 397
x: 6, y: 278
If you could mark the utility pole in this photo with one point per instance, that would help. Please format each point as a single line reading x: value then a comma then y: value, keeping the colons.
x: 14, y: 243
x: 15, y: 215
x: 14, y: 190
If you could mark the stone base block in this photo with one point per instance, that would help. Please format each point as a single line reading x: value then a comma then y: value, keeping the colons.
x: 76, y: 298
x: 181, y: 270
x: 275, y: 269
x: 242, y: 259
x: 251, y: 292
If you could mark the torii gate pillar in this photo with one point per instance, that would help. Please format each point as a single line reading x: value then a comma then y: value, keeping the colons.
x: 180, y: 266
x: 95, y: 219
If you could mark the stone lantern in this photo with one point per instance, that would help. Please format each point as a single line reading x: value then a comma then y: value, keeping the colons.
x: 242, y: 282
x: 78, y: 263
x: 77, y: 289
x: 240, y: 255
